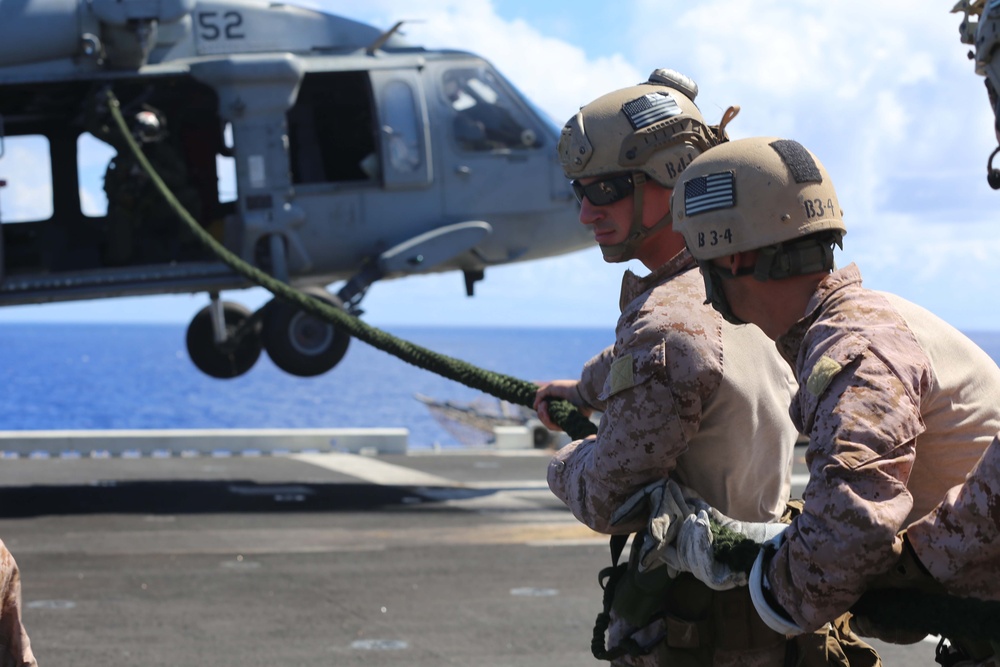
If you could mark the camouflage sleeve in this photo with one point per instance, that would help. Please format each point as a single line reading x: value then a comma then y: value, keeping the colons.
x: 959, y: 542
x: 646, y: 425
x: 13, y: 637
x: 593, y: 377
x: 862, y: 422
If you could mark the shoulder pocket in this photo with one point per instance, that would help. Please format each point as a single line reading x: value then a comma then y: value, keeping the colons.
x: 824, y: 369
x: 632, y: 369
x: 832, y: 361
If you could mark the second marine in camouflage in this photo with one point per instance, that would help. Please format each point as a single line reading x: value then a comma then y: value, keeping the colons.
x: 898, y: 405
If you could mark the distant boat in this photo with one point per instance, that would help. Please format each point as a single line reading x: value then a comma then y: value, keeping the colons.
x: 472, y: 423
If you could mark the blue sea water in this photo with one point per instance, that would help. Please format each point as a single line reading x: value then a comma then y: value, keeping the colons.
x: 111, y: 376
x: 104, y: 376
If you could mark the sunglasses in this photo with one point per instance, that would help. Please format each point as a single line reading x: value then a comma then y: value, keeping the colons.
x: 602, y: 193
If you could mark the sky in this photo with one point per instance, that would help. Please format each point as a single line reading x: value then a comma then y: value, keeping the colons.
x: 883, y: 93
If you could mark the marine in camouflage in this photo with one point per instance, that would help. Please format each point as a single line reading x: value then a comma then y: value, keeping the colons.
x: 675, y: 401
x: 959, y: 542
x: 886, y: 390
x: 677, y: 391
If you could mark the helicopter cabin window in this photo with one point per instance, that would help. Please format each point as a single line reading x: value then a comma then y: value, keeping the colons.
x: 486, y: 117
x: 26, y: 167
x: 331, y: 129
x: 93, y: 156
x: 225, y: 165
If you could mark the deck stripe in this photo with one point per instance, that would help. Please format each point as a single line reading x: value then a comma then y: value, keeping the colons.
x: 373, y: 470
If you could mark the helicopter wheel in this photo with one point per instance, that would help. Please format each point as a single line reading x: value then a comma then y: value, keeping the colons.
x: 299, y: 343
x: 229, y: 359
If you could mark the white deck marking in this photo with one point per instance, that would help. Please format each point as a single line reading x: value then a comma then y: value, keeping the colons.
x: 372, y: 470
x: 511, y: 485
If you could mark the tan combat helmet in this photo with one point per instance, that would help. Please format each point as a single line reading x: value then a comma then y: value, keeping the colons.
x: 650, y: 131
x: 984, y: 34
x: 765, y: 194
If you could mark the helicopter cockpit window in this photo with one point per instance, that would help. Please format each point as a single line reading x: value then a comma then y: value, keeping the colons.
x: 486, y: 115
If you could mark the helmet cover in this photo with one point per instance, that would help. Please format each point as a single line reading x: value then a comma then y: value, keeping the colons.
x: 753, y: 193
x: 653, y: 127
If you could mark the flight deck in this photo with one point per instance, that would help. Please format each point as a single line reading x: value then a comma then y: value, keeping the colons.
x: 419, y: 558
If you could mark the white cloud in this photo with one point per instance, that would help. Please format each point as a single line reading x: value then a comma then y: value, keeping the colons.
x: 557, y: 75
x: 883, y: 94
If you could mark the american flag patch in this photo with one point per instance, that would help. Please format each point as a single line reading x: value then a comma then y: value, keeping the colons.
x: 708, y: 193
x: 648, y: 109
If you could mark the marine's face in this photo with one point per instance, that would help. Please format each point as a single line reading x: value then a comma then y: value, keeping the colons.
x: 611, y: 222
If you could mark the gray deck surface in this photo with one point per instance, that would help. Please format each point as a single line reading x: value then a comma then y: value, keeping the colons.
x: 417, y: 560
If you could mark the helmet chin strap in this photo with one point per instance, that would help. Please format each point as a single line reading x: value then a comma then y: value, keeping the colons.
x: 637, y: 234
x: 716, y: 295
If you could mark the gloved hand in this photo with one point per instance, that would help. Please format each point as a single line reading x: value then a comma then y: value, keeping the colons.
x: 663, y: 507
x: 757, y: 531
x: 694, y: 550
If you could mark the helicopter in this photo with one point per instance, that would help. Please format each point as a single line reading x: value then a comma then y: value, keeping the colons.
x: 355, y: 156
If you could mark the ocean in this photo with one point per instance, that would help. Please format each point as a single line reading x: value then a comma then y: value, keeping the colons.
x: 139, y: 376
x: 130, y: 376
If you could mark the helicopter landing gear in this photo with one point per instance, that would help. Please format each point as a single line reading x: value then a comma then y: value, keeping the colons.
x: 223, y: 339
x: 299, y: 343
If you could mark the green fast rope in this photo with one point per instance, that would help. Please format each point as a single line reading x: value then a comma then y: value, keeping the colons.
x: 944, y: 615
x: 504, y: 387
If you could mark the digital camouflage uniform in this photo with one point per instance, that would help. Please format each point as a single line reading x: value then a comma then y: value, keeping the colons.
x: 15, y: 649
x: 683, y: 394
x: 898, y: 407
x: 959, y: 542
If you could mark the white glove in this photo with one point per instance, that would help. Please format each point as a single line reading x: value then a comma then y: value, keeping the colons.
x: 694, y: 552
x: 759, y: 532
x: 663, y: 505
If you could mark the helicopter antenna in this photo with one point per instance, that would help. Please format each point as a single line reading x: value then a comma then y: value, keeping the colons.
x: 384, y: 37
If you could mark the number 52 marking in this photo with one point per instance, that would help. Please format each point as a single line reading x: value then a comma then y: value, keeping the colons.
x: 213, y: 25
